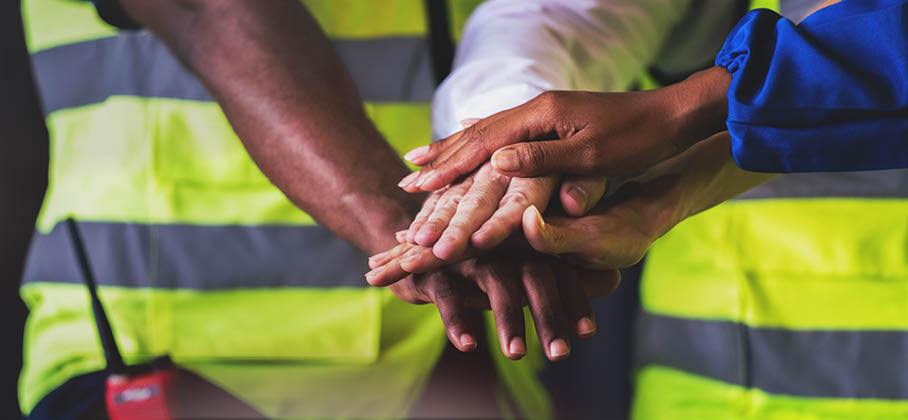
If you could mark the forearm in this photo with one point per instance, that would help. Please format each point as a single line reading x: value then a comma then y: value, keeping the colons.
x: 696, y: 180
x: 290, y: 100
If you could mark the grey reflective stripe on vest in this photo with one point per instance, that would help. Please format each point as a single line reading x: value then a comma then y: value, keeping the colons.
x: 200, y: 257
x: 138, y: 64
x: 871, y: 184
x: 823, y: 363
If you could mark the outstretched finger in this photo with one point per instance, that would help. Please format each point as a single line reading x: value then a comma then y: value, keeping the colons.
x: 440, y: 217
x: 451, y: 306
x: 391, y: 272
x: 576, y: 302
x: 381, y: 259
x: 522, y: 193
x: 473, y: 210
x: 424, y: 260
x: 500, y: 281
x: 427, y: 208
x: 476, y: 144
x: 545, y: 305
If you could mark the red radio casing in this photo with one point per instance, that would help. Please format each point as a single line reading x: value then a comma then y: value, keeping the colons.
x: 140, y: 397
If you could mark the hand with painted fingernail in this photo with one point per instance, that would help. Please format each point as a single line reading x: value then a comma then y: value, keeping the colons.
x: 615, y: 234
x: 583, y: 133
x: 484, y: 209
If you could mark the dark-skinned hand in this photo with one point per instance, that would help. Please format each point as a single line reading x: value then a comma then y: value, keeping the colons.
x: 589, y: 133
x: 505, y: 284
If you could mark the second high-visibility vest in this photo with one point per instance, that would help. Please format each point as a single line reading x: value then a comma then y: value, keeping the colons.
x: 789, y: 302
x: 198, y: 255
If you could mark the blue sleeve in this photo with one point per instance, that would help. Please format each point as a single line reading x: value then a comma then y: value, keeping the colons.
x: 830, y: 94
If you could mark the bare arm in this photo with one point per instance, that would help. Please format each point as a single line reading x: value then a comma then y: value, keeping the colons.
x: 290, y: 100
x: 23, y: 179
x: 618, y: 234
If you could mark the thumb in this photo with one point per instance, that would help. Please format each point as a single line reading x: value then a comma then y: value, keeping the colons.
x: 550, y: 238
x: 538, y: 158
x: 579, y: 194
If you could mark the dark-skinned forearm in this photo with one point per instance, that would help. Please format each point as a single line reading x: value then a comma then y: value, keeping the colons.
x: 696, y: 108
x: 289, y: 98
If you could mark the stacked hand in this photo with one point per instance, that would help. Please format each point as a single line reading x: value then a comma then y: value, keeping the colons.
x: 482, y: 232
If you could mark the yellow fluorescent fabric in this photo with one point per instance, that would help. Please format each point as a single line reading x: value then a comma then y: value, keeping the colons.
x: 458, y: 12
x: 340, y: 326
x: 521, y: 377
x: 411, y: 343
x: 349, y: 19
x: 62, y: 22
x: 664, y: 393
x: 798, y: 264
x: 162, y: 178
x: 765, y: 4
x: 70, y: 21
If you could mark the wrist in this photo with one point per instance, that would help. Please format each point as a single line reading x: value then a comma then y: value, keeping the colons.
x: 391, y: 213
x: 659, y: 205
x: 696, y: 107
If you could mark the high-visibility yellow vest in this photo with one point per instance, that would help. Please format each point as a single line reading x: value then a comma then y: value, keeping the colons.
x: 789, y: 302
x: 198, y: 255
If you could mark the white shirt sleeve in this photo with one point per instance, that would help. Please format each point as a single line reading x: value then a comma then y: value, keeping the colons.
x: 512, y: 50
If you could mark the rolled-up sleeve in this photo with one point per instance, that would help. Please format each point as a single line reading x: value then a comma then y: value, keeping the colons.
x: 828, y: 94
x: 512, y: 50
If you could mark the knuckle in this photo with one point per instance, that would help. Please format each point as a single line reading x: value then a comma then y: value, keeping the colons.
x: 454, y: 320
x: 547, y: 315
x: 475, y: 202
x: 518, y: 198
x: 438, y: 146
x: 589, y: 156
x: 475, y: 135
x: 497, y: 178
x: 443, y: 292
x: 548, y: 99
x: 510, y: 314
x: 533, y: 153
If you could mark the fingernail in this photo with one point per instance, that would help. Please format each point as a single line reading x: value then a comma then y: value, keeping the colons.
x: 586, y: 327
x: 369, y: 276
x: 579, y: 195
x: 517, y: 347
x: 416, y: 153
x: 505, y: 160
x: 408, y: 179
x: 559, y: 348
x: 467, y: 341
x: 539, y: 220
x: 443, y: 248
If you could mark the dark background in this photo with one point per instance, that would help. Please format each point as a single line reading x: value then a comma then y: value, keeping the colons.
x: 23, y: 179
